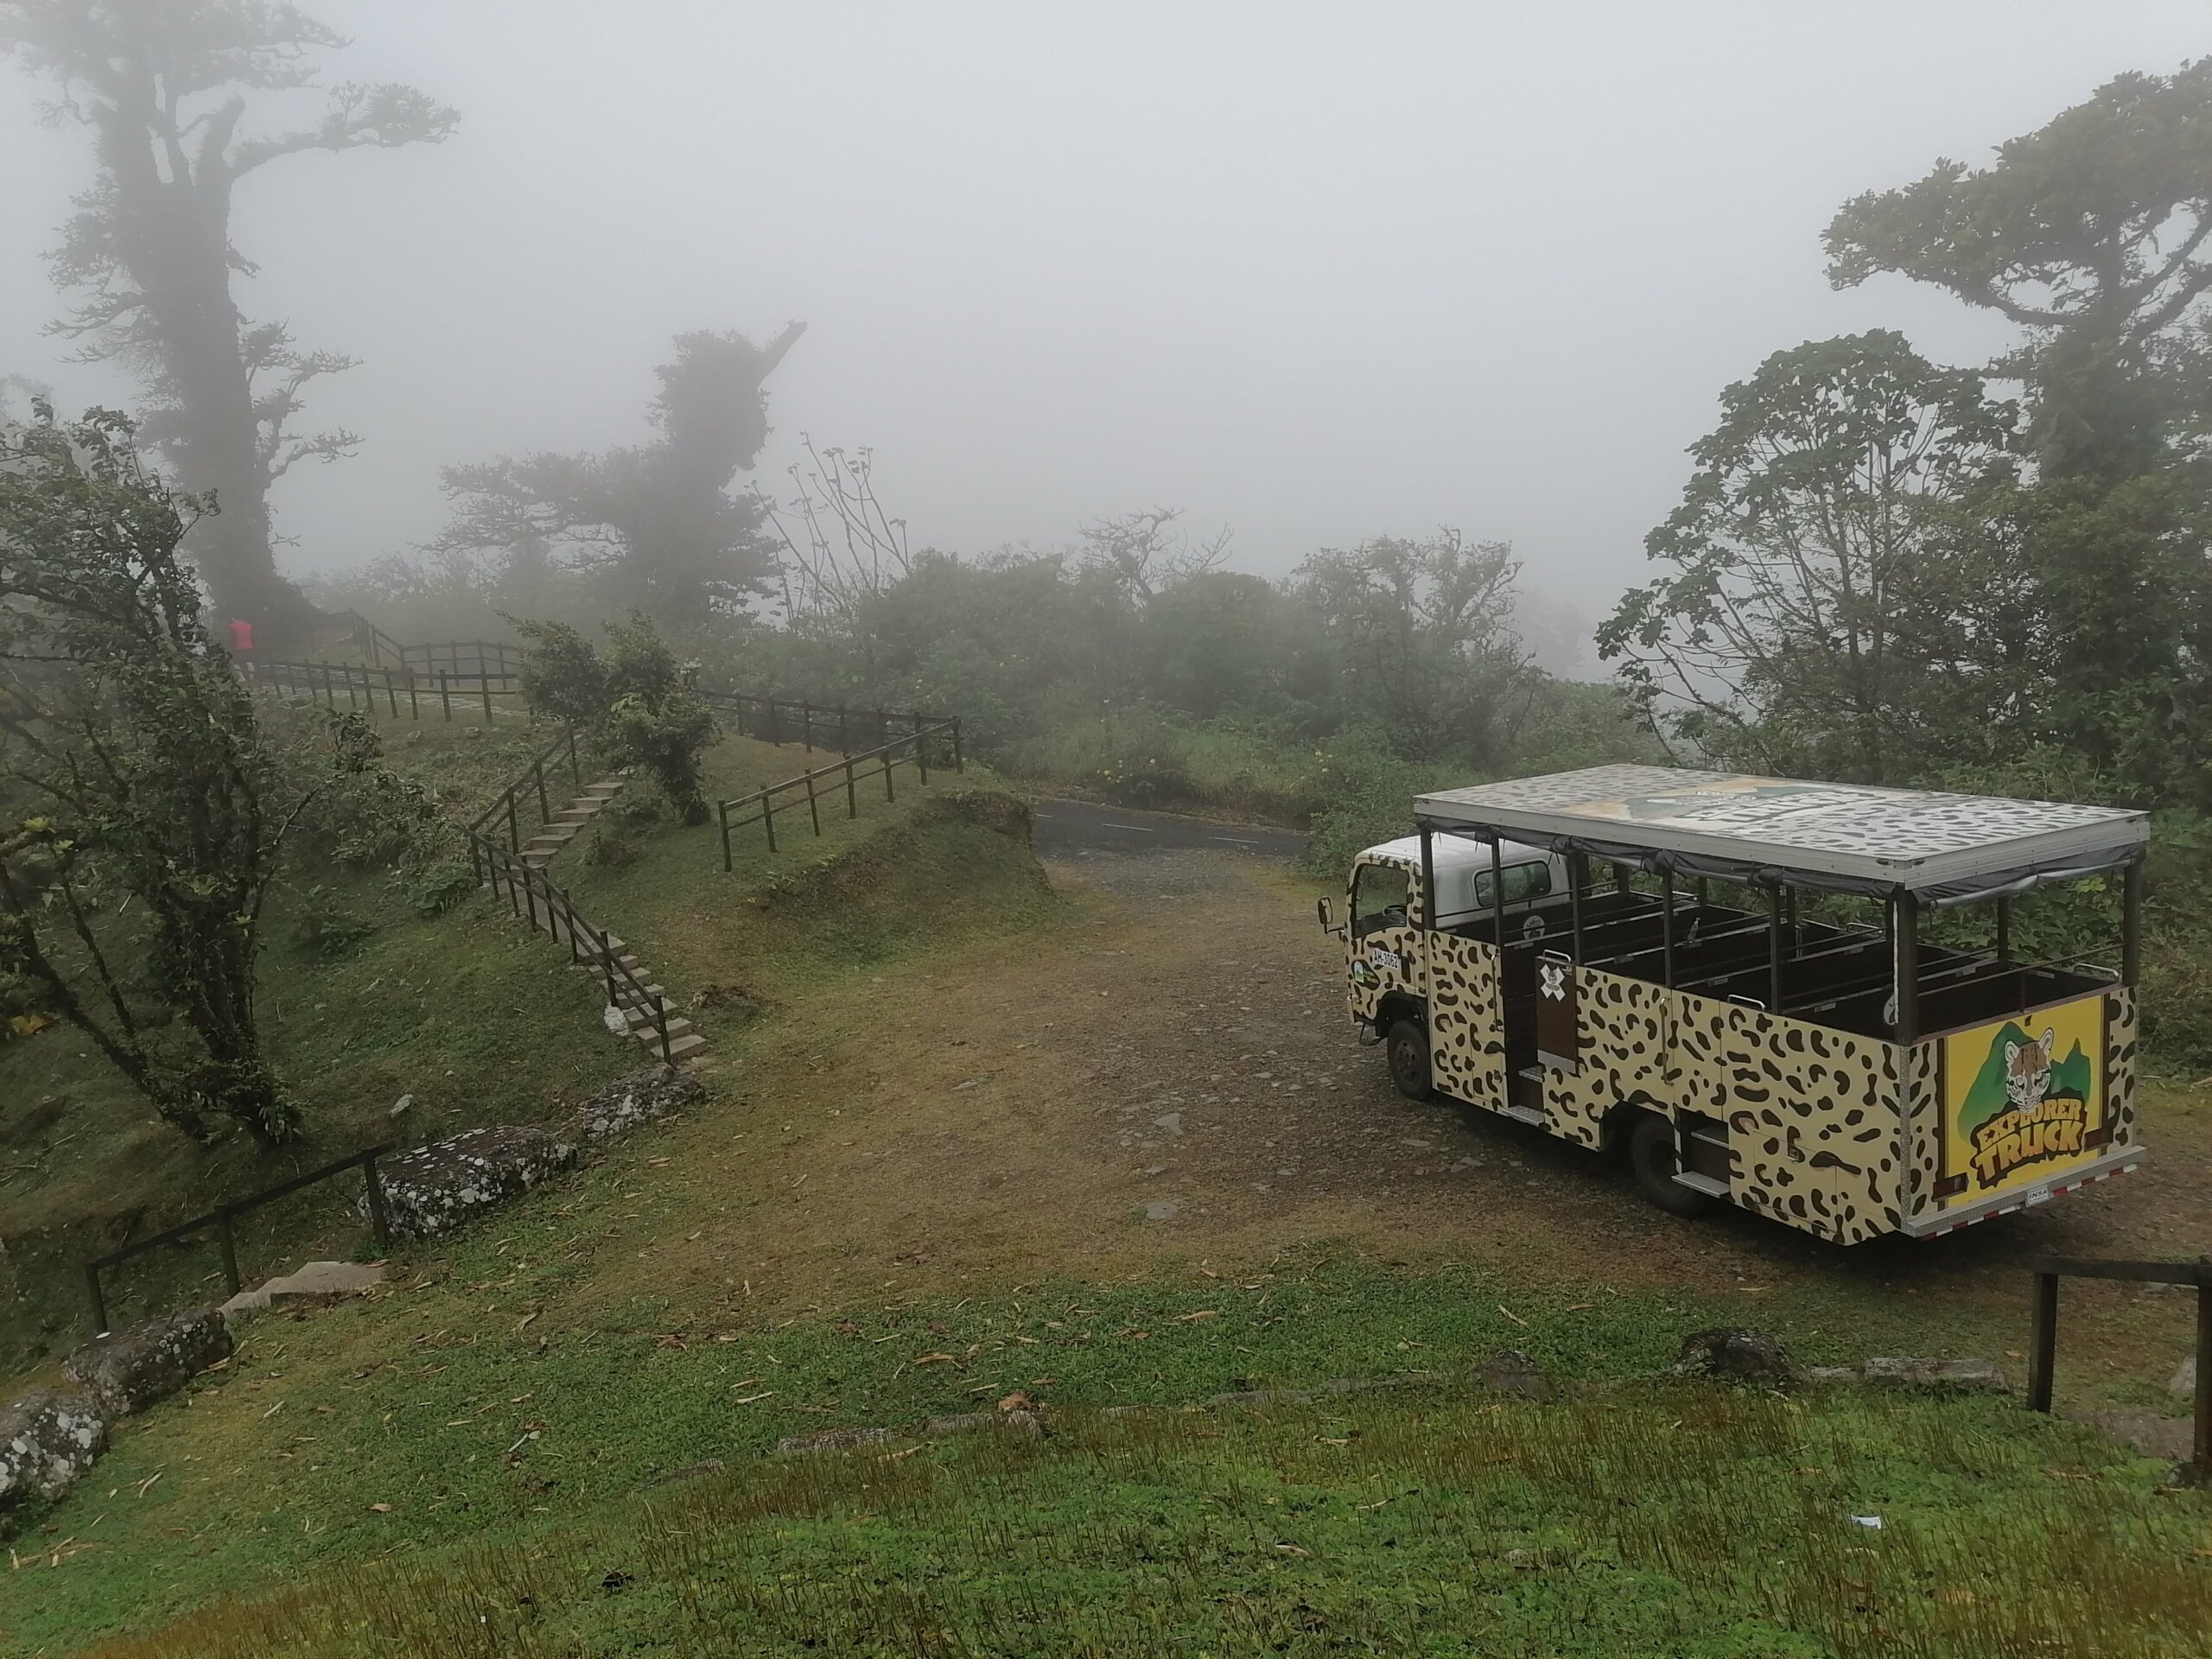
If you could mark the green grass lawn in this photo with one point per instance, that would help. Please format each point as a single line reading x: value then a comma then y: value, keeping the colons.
x: 499, y: 1452
x: 454, y: 1501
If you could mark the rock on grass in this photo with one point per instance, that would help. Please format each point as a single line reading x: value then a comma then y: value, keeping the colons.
x: 434, y: 1189
x: 638, y: 1098
x: 130, y: 1369
x: 47, y: 1441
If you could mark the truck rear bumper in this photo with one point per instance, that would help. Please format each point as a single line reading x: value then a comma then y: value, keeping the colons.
x: 2003, y: 1203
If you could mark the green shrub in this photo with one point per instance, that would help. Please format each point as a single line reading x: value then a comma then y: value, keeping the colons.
x: 330, y: 934
x: 437, y: 887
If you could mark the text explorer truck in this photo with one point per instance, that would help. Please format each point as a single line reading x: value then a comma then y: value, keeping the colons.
x: 1812, y: 1000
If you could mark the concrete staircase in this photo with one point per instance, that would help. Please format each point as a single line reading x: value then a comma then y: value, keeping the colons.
x: 634, y: 999
x: 567, y: 823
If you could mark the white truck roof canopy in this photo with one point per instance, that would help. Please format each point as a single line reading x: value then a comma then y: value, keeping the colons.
x: 1853, y: 837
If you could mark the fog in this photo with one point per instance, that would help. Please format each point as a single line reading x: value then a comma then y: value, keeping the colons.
x: 1311, y: 274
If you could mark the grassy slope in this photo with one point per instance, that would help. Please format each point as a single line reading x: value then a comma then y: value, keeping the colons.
x: 517, y: 1385
x: 464, y: 1011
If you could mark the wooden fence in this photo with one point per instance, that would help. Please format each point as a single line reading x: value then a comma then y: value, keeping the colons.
x: 226, y: 1239
x: 548, y: 909
x: 912, y: 747
x: 398, y: 694
x: 526, y: 788
x: 2042, y: 1338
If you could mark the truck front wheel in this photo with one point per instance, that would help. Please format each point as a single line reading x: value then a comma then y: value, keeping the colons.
x: 1652, y: 1156
x: 1406, y: 1050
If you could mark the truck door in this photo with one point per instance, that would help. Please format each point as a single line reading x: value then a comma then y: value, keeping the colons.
x: 1383, y: 946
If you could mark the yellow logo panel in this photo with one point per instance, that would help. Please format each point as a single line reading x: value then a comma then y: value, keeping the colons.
x: 2023, y: 1097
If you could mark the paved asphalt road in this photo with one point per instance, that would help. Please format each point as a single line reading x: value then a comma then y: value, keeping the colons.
x: 1076, y: 827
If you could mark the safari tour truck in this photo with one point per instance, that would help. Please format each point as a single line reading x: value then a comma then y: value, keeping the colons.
x: 1743, y: 981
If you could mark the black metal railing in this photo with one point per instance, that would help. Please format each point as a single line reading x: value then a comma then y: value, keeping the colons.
x: 221, y: 1220
x: 526, y: 788
x: 534, y: 897
x: 910, y: 747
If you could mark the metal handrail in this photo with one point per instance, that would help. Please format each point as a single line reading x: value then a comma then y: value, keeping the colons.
x: 526, y: 889
x: 221, y: 1218
x: 764, y: 798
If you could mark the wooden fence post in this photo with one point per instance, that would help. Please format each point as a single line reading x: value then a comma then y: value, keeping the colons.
x: 379, y: 1224
x: 721, y: 809
x: 2042, y: 1341
x: 99, y: 1302
x: 2201, y: 1439
x: 921, y: 749
x: 227, y: 1242
x: 813, y: 812
x: 852, y: 799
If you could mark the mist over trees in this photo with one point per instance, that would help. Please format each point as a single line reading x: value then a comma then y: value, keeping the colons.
x: 657, y: 523
x: 1881, y: 571
x: 162, y: 87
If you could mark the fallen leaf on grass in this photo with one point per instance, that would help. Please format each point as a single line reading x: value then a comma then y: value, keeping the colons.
x: 747, y: 1398
x: 1511, y: 1315
x: 379, y: 1508
x: 526, y: 1319
x: 1293, y: 1549
x: 933, y: 1359
x: 1137, y: 1336
x: 1203, y: 1314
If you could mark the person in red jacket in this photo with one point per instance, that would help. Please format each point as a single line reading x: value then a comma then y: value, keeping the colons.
x: 241, y: 636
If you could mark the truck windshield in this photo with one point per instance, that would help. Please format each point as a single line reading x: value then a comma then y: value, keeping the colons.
x: 1378, y: 898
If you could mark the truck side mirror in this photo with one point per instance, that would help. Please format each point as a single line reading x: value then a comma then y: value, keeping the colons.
x: 1328, y: 913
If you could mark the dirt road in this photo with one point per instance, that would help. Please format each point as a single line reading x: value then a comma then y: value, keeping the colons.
x: 1171, y: 1076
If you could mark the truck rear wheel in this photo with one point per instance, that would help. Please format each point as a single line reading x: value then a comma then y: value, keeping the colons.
x: 1651, y: 1155
x: 1406, y: 1049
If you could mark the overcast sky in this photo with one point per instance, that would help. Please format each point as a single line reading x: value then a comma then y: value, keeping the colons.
x: 1310, y: 273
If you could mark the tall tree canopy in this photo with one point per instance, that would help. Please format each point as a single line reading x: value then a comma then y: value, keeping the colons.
x: 162, y: 85
x: 2090, y: 233
x: 659, y: 520
x: 1825, y: 609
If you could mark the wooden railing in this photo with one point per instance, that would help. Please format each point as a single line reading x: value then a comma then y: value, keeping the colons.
x: 386, y: 689
x: 547, y: 907
x: 812, y: 725
x: 912, y: 747
x: 2043, y: 1336
x: 226, y: 1239
x: 526, y: 788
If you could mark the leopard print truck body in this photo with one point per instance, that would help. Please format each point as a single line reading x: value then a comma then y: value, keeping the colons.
x: 1621, y: 1053
x: 1812, y: 1114
x: 1815, y: 1115
x: 1466, y: 1020
x: 2121, y: 1063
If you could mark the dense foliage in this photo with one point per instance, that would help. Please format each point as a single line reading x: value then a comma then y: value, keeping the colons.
x: 152, y: 804
x: 634, y: 700
x: 1880, y: 572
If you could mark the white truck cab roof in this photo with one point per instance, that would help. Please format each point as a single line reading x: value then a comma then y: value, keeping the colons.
x: 1462, y: 866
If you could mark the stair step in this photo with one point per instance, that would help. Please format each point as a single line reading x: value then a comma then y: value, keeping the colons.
x: 690, y: 1043
x: 642, y: 1027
